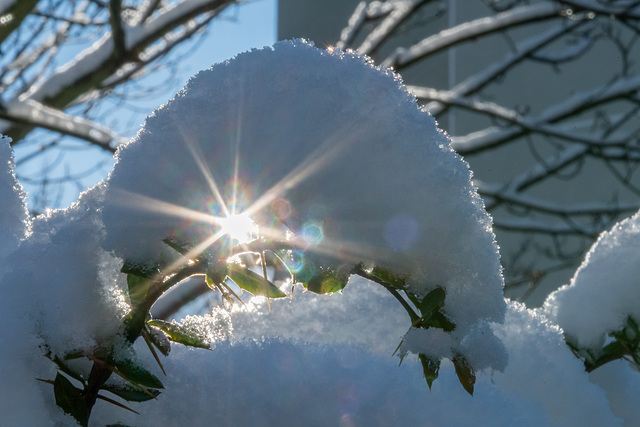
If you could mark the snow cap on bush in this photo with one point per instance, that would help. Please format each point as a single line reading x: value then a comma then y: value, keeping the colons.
x: 14, y: 217
x: 59, y: 269
x: 326, y: 144
x: 605, y: 290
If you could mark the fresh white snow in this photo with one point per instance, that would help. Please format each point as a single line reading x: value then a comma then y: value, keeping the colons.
x: 364, y: 175
x: 605, y: 289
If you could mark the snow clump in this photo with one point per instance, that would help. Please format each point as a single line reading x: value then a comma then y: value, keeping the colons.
x: 604, y: 291
x: 326, y: 145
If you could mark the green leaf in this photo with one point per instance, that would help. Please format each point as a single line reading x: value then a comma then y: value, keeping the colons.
x: 138, y: 289
x: 327, y: 281
x: 396, y: 280
x: 159, y: 340
x: 180, y: 333
x: 177, y: 246
x: 253, y: 282
x: 432, y: 302
x: 614, y: 350
x: 135, y: 374
x: 437, y: 320
x: 430, y: 368
x: 70, y: 399
x: 130, y: 394
x: 141, y: 270
x: 64, y: 367
x: 216, y: 275
x: 280, y: 269
x: 465, y: 373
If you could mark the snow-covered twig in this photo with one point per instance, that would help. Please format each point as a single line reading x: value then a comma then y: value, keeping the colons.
x: 33, y: 113
x: 470, y: 30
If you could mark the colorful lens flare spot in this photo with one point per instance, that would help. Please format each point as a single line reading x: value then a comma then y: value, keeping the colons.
x: 281, y: 208
x: 312, y: 233
x: 295, y: 261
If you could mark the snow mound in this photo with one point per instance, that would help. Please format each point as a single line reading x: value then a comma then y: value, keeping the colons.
x: 263, y: 382
x: 542, y: 369
x: 324, y: 143
x: 604, y: 291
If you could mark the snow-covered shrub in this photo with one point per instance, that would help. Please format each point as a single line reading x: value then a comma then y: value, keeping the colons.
x: 312, y: 163
x: 341, y: 171
x: 599, y: 310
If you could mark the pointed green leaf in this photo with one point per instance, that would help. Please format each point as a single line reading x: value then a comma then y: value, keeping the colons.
x: 64, y: 367
x: 138, y: 289
x: 280, y: 269
x: 141, y: 270
x: 130, y: 394
x: 253, y: 282
x: 437, y: 320
x: 327, y: 281
x: 465, y: 373
x: 614, y: 350
x: 159, y: 340
x: 180, y: 333
x: 135, y: 374
x: 430, y: 368
x: 70, y: 399
x: 177, y: 246
x: 432, y: 302
x: 216, y: 275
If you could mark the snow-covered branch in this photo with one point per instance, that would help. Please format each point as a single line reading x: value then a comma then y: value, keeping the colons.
x: 403, y: 57
x: 507, y: 195
x: 36, y: 114
x: 111, y: 54
x: 578, y: 103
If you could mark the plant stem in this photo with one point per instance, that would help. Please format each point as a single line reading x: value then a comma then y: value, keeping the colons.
x: 98, y: 376
x: 393, y: 291
x: 134, y: 324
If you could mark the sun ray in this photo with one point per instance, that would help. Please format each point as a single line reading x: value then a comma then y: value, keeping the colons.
x: 236, y: 156
x: 206, y: 172
x: 326, y: 152
x: 146, y: 203
x: 193, y: 253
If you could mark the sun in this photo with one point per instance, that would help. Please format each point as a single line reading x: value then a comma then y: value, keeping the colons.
x: 239, y: 227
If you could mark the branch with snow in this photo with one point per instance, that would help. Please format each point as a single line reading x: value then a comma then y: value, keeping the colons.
x: 125, y: 43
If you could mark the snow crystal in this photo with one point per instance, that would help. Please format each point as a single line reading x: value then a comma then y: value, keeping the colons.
x: 604, y: 291
x: 363, y: 172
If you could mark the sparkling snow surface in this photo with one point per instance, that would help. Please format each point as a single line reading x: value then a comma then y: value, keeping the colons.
x: 604, y: 291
